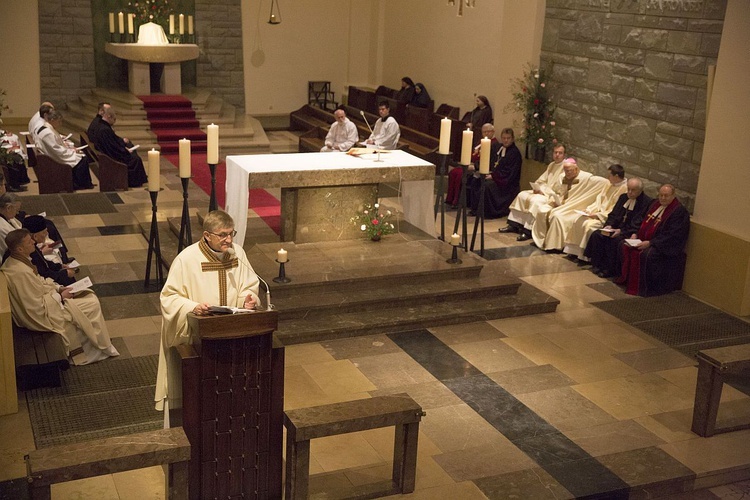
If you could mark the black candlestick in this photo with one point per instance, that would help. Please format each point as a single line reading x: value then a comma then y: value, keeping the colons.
x: 281, y: 278
x: 154, y: 248
x: 440, y: 196
x: 454, y: 257
x: 480, y: 218
x: 186, y: 234
x: 212, y: 202
x: 462, y: 209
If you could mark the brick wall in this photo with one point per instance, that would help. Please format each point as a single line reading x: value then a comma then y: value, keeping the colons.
x: 66, y: 47
x: 220, y: 64
x: 629, y: 78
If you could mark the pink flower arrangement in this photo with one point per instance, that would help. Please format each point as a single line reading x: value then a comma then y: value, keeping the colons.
x: 373, y: 221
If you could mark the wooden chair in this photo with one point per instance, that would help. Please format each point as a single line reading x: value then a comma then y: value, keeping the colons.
x: 113, y: 175
x: 30, y: 151
x: 53, y: 177
x: 90, y: 151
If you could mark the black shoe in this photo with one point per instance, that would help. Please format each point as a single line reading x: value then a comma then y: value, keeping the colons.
x: 508, y: 229
x: 17, y: 189
x: 571, y: 257
x: 523, y: 237
x: 595, y: 270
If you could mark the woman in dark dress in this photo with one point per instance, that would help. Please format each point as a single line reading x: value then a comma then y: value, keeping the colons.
x: 479, y: 116
x: 406, y: 94
x: 421, y: 97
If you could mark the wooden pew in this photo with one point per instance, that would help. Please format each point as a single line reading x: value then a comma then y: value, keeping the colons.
x: 445, y: 110
x: 363, y: 99
x: 308, y: 117
x: 39, y: 358
x: 419, y: 119
x: 313, y: 140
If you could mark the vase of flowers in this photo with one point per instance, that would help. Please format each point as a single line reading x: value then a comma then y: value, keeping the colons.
x: 531, y: 98
x: 374, y: 222
x: 151, y: 11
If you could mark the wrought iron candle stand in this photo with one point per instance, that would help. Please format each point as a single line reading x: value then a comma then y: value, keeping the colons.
x: 212, y: 201
x: 154, y: 248
x: 454, y: 257
x: 440, y: 196
x: 462, y: 209
x: 480, y: 218
x: 281, y: 278
x: 186, y: 234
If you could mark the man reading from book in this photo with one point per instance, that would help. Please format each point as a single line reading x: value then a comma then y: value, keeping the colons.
x: 211, y: 272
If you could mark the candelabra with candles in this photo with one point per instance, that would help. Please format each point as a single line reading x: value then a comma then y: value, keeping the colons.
x: 443, y: 159
x: 185, y: 238
x: 154, y: 248
x: 212, y: 132
x: 484, y: 169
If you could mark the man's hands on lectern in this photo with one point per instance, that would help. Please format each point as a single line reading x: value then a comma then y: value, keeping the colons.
x: 250, y: 302
x: 201, y: 309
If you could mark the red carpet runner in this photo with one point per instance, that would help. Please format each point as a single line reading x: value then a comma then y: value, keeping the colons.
x: 172, y: 118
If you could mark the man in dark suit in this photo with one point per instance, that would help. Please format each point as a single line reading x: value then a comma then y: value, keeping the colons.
x: 625, y: 218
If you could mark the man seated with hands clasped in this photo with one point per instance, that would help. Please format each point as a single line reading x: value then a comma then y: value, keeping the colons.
x: 212, y: 272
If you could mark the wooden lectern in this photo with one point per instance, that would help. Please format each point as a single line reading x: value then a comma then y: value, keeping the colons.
x: 233, y: 405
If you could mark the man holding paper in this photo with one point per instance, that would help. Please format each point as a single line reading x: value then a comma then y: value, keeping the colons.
x: 593, y: 216
x: 524, y: 208
x: 59, y: 273
x: 654, y: 258
x: 211, y: 272
x: 112, y: 145
x: 41, y: 304
x: 502, y: 184
x: 49, y: 143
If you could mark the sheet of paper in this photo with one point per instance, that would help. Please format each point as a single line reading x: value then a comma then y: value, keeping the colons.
x: 606, y: 230
x: 80, y: 285
x: 134, y: 148
x: 43, y: 214
x: 581, y: 212
x: 535, y: 186
x: 633, y: 241
x: 65, y: 138
x: 73, y: 264
x: 81, y: 148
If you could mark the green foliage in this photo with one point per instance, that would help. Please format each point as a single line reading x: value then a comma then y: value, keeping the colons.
x: 373, y: 222
x: 531, y: 97
x: 154, y: 11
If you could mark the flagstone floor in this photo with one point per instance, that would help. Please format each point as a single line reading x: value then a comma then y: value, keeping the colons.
x: 572, y: 377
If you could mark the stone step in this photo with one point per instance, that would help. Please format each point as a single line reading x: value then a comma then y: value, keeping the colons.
x: 398, y: 317
x: 413, y: 289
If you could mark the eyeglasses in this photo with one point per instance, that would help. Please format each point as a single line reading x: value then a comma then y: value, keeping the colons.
x: 223, y: 236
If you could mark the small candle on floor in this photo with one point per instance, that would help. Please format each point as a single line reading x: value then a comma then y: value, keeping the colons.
x: 282, y: 256
x: 455, y: 239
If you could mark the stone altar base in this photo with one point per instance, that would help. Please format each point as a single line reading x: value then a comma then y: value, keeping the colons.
x: 323, y: 214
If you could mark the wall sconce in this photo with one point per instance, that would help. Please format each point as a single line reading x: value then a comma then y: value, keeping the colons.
x: 275, y: 16
x: 461, y: 3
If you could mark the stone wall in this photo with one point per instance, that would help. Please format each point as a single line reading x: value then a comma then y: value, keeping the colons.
x: 629, y: 78
x: 218, y: 25
x: 66, y: 50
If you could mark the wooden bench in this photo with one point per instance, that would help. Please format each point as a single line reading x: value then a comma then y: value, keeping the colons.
x: 59, y: 464
x: 304, y: 424
x: 39, y: 357
x: 716, y: 366
x: 53, y: 177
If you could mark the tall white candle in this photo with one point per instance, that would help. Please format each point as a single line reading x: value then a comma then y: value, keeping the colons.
x: 190, y: 25
x: 111, y: 22
x: 153, y: 170
x: 282, y: 256
x: 182, y: 24
x: 131, y: 17
x: 455, y: 239
x: 467, y: 138
x: 484, y: 156
x: 213, y: 144
x: 171, y: 24
x: 121, y: 22
x: 445, y: 136
x: 185, y: 158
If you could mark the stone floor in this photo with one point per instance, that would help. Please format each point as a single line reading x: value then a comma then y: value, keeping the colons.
x: 549, y: 406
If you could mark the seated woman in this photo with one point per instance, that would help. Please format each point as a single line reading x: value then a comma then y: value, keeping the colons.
x: 479, y: 116
x: 421, y: 98
x: 406, y: 94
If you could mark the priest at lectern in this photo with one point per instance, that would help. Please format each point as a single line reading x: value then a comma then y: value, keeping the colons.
x: 211, y: 272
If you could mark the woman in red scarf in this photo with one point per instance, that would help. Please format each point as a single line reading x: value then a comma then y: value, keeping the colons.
x: 656, y: 264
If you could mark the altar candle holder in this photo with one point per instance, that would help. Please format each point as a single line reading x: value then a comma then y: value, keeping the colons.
x: 186, y: 234
x: 479, y: 221
x: 212, y: 201
x: 440, y: 196
x: 462, y: 213
x: 281, y: 278
x: 154, y: 248
x: 454, y: 257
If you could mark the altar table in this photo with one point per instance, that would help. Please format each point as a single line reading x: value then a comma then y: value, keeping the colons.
x: 140, y: 56
x: 326, y: 188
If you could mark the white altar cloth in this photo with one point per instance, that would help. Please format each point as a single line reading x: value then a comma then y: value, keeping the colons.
x: 289, y: 170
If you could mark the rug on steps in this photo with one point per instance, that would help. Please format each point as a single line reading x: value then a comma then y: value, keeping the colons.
x: 114, y: 397
x: 172, y: 118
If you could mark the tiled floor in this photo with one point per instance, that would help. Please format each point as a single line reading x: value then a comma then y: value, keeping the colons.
x: 551, y: 406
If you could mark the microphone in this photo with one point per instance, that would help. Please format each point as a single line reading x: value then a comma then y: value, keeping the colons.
x: 269, y: 307
x: 365, y: 118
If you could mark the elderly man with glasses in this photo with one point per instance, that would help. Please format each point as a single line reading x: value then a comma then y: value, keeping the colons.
x: 211, y: 272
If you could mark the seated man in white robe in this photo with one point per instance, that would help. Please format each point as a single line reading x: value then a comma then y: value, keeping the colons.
x: 554, y: 218
x: 42, y: 305
x: 386, y: 133
x: 50, y: 143
x: 525, y: 207
x: 212, y: 272
x: 595, y: 214
x: 342, y: 135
